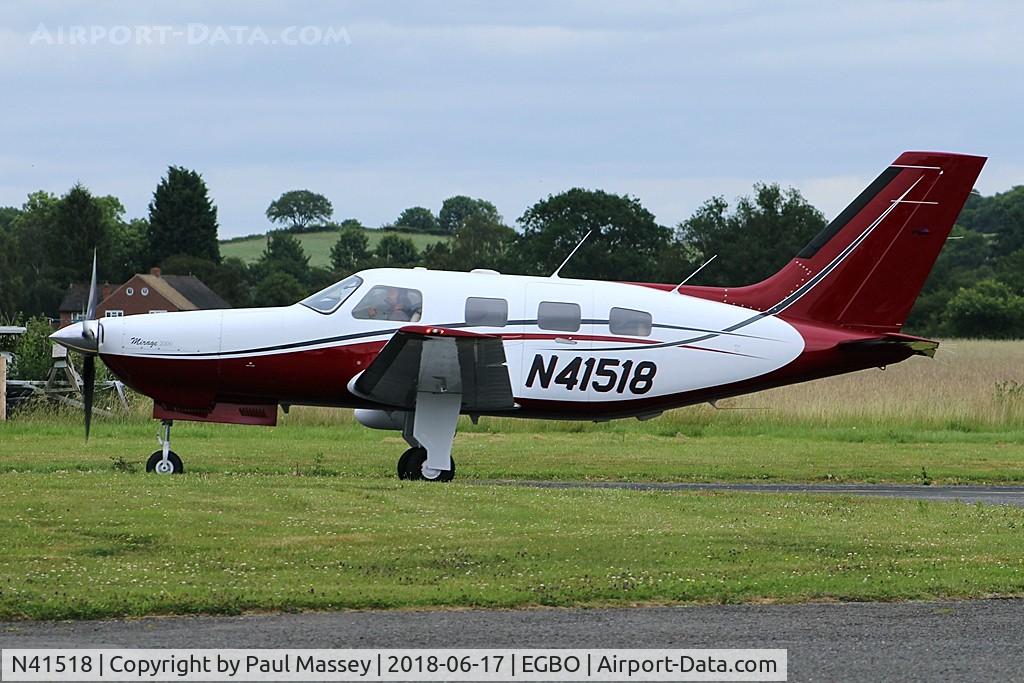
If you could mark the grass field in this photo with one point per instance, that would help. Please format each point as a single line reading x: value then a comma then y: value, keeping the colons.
x: 309, y: 515
x: 317, y: 245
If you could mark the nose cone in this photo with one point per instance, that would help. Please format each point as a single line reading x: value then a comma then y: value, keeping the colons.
x: 78, y: 337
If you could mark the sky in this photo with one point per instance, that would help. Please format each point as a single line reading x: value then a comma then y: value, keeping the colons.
x: 385, y: 105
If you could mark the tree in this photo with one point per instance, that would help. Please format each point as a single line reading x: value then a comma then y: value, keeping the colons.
x: 351, y: 249
x: 10, y: 278
x: 81, y: 227
x: 186, y: 264
x: 299, y: 208
x: 232, y: 282
x: 396, y: 251
x: 626, y: 242
x: 455, y: 210
x: 987, y: 309
x: 478, y: 243
x: 284, y: 253
x: 761, y: 235
x: 278, y: 288
x: 182, y: 218
x: 42, y: 288
x: 963, y: 261
x: 8, y: 214
x: 417, y: 219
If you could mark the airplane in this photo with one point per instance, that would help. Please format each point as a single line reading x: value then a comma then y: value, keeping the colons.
x: 413, y: 349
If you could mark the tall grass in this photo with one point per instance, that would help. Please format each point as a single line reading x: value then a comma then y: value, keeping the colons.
x: 970, y: 385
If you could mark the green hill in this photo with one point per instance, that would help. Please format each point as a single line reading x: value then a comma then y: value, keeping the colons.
x: 316, y: 244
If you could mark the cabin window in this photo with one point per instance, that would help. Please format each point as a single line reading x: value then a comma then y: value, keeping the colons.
x: 327, y: 300
x: 629, y: 322
x: 384, y: 302
x: 555, y: 315
x: 486, y: 312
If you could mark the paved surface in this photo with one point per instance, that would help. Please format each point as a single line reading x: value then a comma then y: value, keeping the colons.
x: 976, y: 640
x: 996, y: 495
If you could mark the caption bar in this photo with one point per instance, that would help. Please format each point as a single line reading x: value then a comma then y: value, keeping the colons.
x: 392, y: 665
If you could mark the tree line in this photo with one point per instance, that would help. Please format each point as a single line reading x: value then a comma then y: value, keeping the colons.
x: 976, y: 288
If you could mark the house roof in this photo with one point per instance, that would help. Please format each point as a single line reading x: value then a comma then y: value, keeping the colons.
x: 186, y: 292
x: 196, y: 291
x: 75, y: 299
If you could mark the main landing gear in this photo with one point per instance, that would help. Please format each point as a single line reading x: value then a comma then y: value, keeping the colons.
x: 413, y: 466
x: 165, y: 461
x: 430, y: 431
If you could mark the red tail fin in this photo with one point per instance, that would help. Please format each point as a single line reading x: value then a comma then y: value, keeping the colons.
x: 866, y: 268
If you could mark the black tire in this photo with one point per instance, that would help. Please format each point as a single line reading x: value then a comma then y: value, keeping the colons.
x: 152, y: 465
x: 403, y: 463
x: 411, y: 467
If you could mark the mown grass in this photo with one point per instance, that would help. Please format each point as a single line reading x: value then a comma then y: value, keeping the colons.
x: 956, y: 419
x: 309, y: 515
x: 92, y: 545
x: 714, y: 452
x: 317, y: 245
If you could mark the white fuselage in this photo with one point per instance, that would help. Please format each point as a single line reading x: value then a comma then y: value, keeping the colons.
x: 680, y: 343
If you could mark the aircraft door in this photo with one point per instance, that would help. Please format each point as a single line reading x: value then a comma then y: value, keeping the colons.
x: 556, y: 363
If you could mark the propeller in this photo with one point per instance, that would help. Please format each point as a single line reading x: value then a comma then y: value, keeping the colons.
x: 83, y: 337
x: 88, y: 385
x: 89, y: 363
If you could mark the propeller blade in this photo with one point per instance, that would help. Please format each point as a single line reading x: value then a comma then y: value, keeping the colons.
x: 88, y: 384
x: 90, y: 311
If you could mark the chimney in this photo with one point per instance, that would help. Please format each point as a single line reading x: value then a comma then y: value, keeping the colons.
x: 154, y: 271
x: 104, y: 292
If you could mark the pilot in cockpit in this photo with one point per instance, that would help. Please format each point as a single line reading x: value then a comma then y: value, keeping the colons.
x: 393, y: 303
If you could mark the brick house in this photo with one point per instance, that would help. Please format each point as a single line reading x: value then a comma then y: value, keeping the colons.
x: 144, y: 293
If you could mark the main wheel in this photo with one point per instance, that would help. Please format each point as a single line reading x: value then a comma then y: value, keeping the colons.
x: 157, y: 464
x: 412, y: 466
x: 403, y: 463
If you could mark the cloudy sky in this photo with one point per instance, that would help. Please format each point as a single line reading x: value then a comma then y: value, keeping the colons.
x: 384, y: 105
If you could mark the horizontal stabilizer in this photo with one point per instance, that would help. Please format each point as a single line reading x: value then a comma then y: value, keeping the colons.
x: 919, y: 346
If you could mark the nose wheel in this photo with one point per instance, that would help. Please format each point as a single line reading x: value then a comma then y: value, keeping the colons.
x: 412, y: 466
x: 164, y: 461
x: 159, y: 464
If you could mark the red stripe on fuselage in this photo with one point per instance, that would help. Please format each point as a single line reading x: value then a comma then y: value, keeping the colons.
x: 320, y: 376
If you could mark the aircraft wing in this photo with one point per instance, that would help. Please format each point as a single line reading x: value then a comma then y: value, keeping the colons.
x: 439, y: 360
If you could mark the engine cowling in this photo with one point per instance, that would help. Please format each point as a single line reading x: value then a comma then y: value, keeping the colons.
x: 381, y: 419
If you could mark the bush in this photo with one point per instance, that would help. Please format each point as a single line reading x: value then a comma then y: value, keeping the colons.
x: 989, y: 309
x: 33, y: 350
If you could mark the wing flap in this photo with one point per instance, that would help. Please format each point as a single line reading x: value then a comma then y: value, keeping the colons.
x: 439, y: 360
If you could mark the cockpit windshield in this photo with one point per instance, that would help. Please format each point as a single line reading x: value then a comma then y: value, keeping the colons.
x: 327, y: 300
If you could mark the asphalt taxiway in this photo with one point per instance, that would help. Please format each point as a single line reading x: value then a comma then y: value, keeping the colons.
x: 909, y: 641
x: 995, y: 495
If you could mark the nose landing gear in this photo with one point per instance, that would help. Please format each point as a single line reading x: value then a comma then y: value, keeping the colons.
x: 165, y: 461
